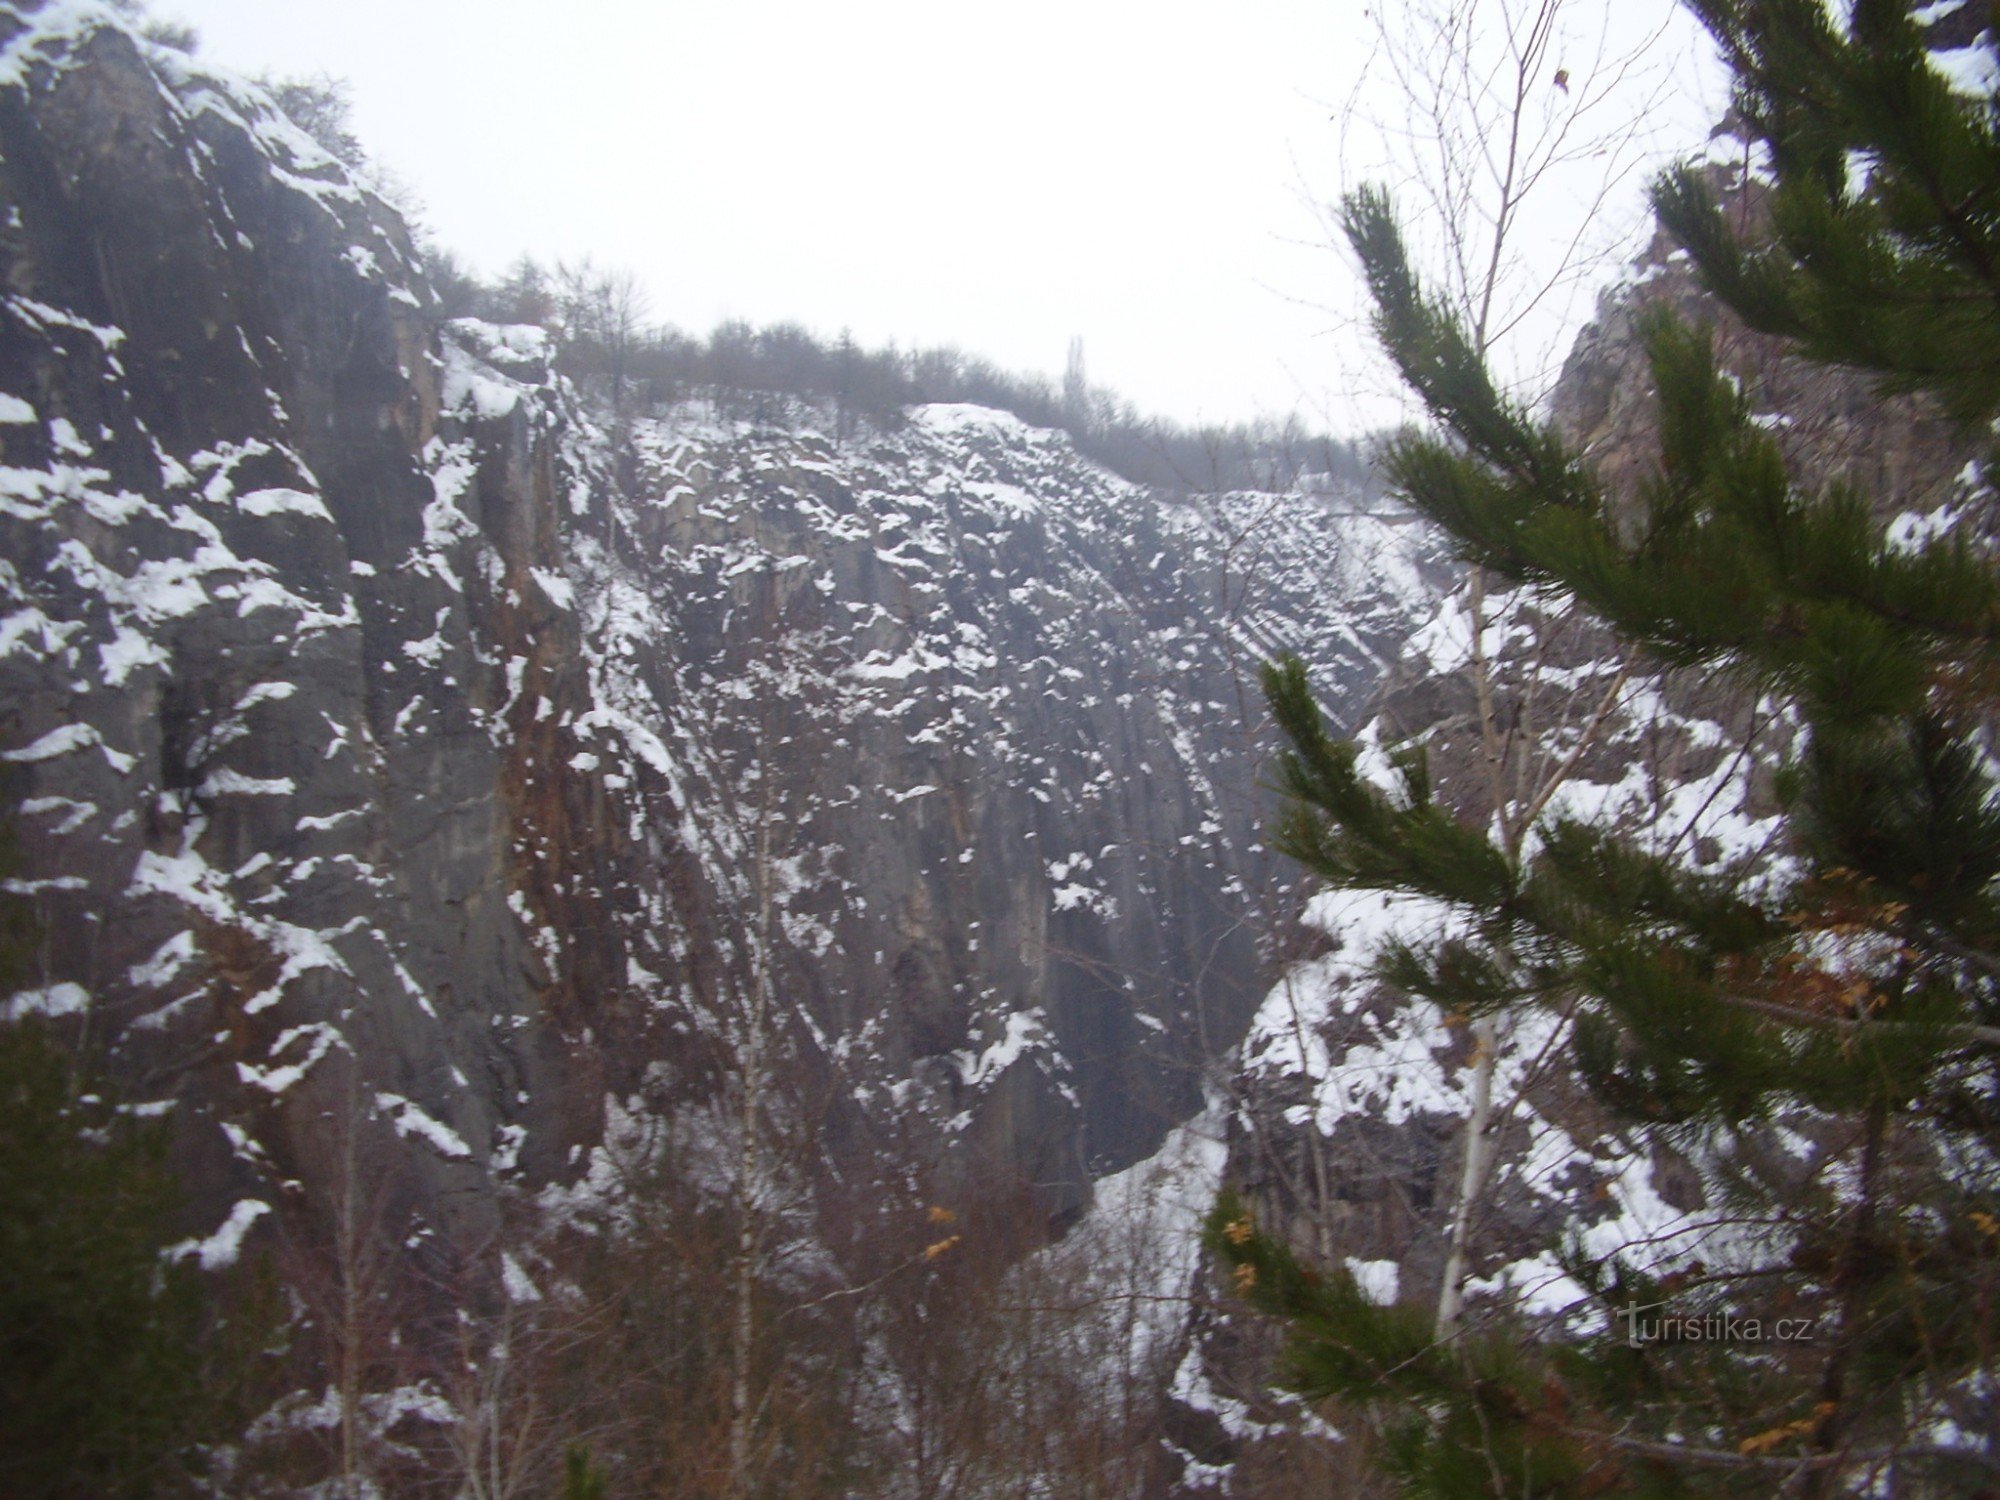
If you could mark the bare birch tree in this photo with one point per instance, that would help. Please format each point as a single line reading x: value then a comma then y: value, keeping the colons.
x: 1515, y: 131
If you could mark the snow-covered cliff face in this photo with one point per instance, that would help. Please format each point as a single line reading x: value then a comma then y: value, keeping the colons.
x: 403, y: 755
x: 1011, y: 835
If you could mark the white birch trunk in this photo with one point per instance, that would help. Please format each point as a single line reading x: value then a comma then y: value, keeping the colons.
x: 1473, y: 1172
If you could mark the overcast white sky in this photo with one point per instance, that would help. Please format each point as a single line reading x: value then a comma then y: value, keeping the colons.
x: 1141, y: 175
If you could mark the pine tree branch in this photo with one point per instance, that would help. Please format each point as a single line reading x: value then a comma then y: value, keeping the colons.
x: 1971, y: 1034
x: 1985, y: 962
x: 1724, y: 1458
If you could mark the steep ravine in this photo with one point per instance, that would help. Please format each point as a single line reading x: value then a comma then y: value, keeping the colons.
x: 402, y: 748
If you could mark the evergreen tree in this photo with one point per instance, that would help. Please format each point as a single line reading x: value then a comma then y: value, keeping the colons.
x: 100, y: 1359
x: 1856, y: 987
x: 580, y: 1480
x: 109, y: 1371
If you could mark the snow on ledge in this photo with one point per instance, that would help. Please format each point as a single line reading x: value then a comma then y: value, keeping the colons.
x: 220, y: 1250
x: 965, y: 416
x: 53, y: 1000
x: 409, y: 1119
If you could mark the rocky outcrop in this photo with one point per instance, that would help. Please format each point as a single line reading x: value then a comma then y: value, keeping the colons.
x: 1349, y: 1131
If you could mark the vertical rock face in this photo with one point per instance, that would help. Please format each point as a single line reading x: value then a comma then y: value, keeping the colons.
x: 263, y: 849
x: 998, y: 691
x: 400, y: 755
